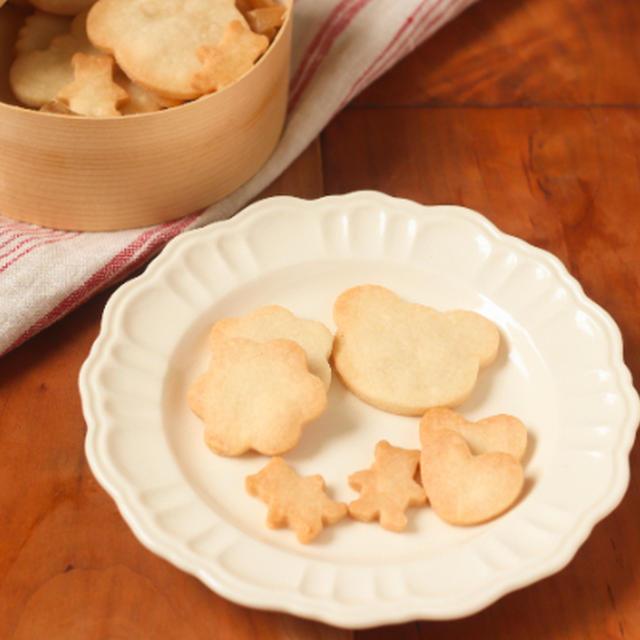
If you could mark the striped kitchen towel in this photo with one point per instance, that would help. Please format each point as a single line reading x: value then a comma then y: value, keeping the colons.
x: 339, y: 47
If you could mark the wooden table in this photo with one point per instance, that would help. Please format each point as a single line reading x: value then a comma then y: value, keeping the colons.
x: 525, y: 110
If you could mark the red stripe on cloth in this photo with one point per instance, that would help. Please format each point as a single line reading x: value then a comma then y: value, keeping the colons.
x: 121, y: 264
x: 318, y: 51
x: 323, y: 30
x: 30, y: 238
x: 28, y: 250
x: 425, y: 28
x: 388, y: 56
x: 8, y: 229
x: 7, y: 225
x: 15, y: 236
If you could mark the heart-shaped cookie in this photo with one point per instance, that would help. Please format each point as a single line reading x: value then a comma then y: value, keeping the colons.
x: 500, y: 432
x: 464, y: 489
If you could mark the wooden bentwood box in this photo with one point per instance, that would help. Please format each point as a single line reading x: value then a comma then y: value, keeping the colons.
x: 92, y: 174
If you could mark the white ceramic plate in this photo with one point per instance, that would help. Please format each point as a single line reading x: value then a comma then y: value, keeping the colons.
x: 560, y: 369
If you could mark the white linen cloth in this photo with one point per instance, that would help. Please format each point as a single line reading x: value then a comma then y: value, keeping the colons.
x: 339, y: 47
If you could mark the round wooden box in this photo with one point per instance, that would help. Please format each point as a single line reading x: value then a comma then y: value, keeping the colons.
x: 94, y: 174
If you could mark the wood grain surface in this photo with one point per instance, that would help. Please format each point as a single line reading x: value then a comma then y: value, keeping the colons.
x: 526, y: 110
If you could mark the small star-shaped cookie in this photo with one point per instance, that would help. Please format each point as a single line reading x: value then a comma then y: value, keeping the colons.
x: 93, y: 91
x: 299, y: 503
x: 387, y: 488
x: 232, y: 57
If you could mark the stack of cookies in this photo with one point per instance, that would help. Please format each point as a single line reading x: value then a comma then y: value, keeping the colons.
x: 105, y: 58
x: 268, y: 377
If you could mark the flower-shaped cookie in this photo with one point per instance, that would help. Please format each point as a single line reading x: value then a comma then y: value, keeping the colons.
x: 403, y: 357
x: 38, y: 30
x: 37, y: 75
x: 256, y: 396
x: 273, y: 322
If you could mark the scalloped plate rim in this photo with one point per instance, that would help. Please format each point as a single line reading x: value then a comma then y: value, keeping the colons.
x: 361, y: 615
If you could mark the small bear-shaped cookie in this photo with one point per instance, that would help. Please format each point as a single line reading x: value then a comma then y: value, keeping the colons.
x: 388, y: 488
x: 93, y: 91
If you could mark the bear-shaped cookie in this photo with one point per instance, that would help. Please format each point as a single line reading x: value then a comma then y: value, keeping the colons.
x: 404, y: 357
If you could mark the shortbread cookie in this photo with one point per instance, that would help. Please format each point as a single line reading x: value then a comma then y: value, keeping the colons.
x: 403, y: 357
x: 230, y: 59
x: 141, y: 100
x: 266, y: 20
x: 272, y: 322
x: 78, y: 28
x: 296, y: 502
x: 37, y: 76
x: 62, y: 7
x: 464, y: 489
x: 256, y: 396
x: 56, y: 106
x: 93, y: 91
x: 249, y: 5
x: 39, y: 29
x: 155, y: 41
x: 388, y: 488
x: 500, y: 432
